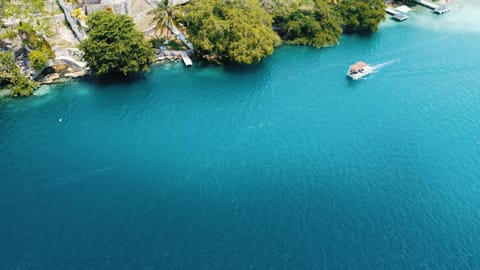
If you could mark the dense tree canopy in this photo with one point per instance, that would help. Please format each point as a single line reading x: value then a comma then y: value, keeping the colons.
x: 314, y: 23
x: 321, y: 22
x: 361, y: 16
x: 230, y: 31
x: 114, y: 45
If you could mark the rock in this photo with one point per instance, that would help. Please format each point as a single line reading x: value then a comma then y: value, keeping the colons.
x: 75, y: 74
x: 50, y: 78
x: 53, y: 76
x: 5, y: 93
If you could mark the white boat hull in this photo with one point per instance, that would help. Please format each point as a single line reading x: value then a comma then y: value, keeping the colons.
x: 355, y: 76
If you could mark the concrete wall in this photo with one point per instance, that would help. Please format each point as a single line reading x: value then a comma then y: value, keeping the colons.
x: 118, y: 7
x: 79, y: 34
x: 89, y: 2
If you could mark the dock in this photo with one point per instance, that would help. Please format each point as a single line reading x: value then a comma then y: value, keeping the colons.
x: 439, y: 9
x: 427, y: 4
x: 186, y: 60
x: 400, y: 17
x: 391, y: 11
x: 399, y: 13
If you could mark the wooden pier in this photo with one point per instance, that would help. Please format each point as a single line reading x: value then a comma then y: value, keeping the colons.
x: 390, y: 11
x: 439, y: 9
x: 427, y: 4
x: 399, y: 14
x: 186, y: 60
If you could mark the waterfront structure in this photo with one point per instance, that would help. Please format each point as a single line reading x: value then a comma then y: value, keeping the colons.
x: 399, y: 13
x: 441, y: 9
x: 117, y: 6
x: 438, y: 9
x: 186, y: 60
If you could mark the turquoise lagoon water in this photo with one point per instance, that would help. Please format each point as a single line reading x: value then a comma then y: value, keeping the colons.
x: 283, y: 165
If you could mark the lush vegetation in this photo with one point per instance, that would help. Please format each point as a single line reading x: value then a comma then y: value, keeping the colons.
x: 321, y: 22
x: 361, y: 16
x: 25, y: 23
x: 11, y: 77
x: 26, y: 20
x: 38, y: 59
x: 164, y: 16
x: 241, y: 31
x: 230, y: 31
x: 7, y: 67
x: 114, y: 45
x: 222, y: 31
x: 315, y: 23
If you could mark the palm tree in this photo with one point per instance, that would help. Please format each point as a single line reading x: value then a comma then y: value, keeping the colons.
x: 164, y: 16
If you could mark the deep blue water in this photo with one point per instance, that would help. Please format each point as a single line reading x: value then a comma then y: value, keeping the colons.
x: 283, y: 165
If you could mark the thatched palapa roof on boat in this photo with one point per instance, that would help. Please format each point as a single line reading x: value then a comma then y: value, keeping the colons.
x: 358, y: 66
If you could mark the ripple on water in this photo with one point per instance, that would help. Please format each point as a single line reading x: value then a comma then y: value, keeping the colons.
x: 280, y: 166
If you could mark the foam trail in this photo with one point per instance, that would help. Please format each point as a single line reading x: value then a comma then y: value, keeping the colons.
x: 379, y: 66
x: 74, y: 178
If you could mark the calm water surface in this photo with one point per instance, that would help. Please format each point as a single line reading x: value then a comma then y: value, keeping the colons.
x: 283, y: 165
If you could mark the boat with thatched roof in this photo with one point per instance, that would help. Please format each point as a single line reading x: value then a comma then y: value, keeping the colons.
x: 359, y: 70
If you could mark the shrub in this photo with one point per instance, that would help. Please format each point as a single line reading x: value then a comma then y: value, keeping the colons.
x: 38, y: 59
x: 114, y: 45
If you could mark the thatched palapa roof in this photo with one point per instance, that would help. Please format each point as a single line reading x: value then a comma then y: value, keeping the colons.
x: 357, y: 66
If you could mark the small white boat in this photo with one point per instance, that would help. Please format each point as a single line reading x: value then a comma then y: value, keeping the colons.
x: 441, y: 10
x: 400, y: 17
x: 401, y: 13
x: 359, y: 70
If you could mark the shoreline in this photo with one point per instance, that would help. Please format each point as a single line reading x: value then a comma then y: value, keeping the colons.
x: 59, y: 79
x: 161, y: 59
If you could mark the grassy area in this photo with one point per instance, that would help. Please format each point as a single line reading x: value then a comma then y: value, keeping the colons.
x: 175, y: 45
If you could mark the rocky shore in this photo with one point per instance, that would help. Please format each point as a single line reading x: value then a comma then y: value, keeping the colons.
x: 69, y: 30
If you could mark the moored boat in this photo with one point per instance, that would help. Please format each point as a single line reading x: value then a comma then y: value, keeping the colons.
x: 359, y: 70
x: 441, y: 10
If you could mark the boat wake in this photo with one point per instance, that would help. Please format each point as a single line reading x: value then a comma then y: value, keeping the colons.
x: 57, y: 182
x: 377, y: 67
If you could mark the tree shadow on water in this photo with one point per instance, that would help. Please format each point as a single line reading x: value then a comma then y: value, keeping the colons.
x: 232, y: 68
x: 245, y: 69
x: 229, y: 77
x: 132, y: 89
x: 114, y: 80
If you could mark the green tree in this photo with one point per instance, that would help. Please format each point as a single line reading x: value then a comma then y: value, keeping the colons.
x: 361, y: 16
x: 114, y: 45
x: 8, y: 69
x: 38, y: 59
x: 23, y: 87
x: 230, y: 31
x: 314, y: 23
x: 164, y: 16
x: 10, y: 76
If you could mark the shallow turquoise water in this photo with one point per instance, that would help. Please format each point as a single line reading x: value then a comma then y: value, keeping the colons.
x: 284, y: 165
